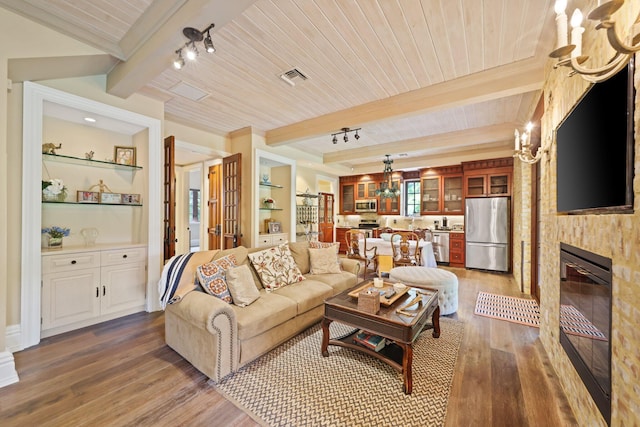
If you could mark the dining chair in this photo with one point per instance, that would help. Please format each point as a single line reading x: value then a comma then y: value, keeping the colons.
x: 405, y: 253
x: 357, y: 249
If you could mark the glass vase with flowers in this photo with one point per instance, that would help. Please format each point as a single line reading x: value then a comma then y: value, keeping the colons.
x: 55, y: 235
x: 54, y: 190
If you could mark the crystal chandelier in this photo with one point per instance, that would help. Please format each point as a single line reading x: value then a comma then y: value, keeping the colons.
x: 570, y: 54
x: 388, y: 189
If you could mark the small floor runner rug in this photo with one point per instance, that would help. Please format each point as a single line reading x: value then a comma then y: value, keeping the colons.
x: 293, y: 385
x: 527, y: 312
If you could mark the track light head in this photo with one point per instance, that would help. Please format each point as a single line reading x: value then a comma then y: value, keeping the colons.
x: 208, y: 44
x: 335, y: 139
x: 346, y: 138
x: 356, y: 136
x: 178, y: 63
x: 191, y: 52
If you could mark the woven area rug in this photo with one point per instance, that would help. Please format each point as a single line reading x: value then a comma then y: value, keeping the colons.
x: 293, y: 385
x: 527, y: 312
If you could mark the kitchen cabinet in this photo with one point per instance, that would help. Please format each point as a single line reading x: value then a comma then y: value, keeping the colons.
x: 456, y: 249
x: 347, y: 198
x: 442, y: 191
x: 340, y: 237
x: 488, y: 178
x: 81, y: 288
x: 366, y: 190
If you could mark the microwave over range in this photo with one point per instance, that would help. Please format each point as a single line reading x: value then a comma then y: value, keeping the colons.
x: 367, y: 205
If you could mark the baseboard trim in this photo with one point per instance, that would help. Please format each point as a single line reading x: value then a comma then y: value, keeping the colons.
x: 14, y: 338
x: 8, y: 373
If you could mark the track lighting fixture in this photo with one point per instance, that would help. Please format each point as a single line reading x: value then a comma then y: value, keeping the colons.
x: 190, y: 49
x: 345, y: 137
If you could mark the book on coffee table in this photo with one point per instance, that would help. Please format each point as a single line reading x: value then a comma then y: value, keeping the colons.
x: 370, y: 341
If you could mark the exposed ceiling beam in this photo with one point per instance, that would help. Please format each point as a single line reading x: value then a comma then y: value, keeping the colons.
x: 155, y: 55
x: 518, y: 77
x: 463, y: 138
x: 59, y: 67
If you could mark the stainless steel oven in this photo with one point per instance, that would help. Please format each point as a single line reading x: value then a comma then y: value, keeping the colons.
x: 367, y: 205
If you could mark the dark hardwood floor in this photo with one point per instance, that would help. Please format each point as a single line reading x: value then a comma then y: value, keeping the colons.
x: 120, y: 373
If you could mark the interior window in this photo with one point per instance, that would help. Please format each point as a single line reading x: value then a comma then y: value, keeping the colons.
x: 412, y: 198
x: 194, y: 205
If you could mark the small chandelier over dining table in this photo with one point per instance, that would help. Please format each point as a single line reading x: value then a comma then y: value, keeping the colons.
x: 388, y: 189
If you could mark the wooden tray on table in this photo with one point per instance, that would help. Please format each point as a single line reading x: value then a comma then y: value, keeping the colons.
x: 386, y: 286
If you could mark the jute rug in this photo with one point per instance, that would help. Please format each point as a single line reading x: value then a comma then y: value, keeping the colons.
x: 293, y: 385
x: 527, y: 312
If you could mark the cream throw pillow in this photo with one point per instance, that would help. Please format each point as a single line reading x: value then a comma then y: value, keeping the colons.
x: 324, y: 260
x: 240, y: 283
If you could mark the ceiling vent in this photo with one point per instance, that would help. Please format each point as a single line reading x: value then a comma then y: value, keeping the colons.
x: 189, y: 91
x: 291, y: 75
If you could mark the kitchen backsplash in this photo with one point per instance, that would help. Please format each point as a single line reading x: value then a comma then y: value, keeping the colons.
x: 402, y: 222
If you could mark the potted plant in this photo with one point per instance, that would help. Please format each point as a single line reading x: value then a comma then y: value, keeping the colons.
x: 55, y: 235
x: 54, y: 190
x: 269, y: 203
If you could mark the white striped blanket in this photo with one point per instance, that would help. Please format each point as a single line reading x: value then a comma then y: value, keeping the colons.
x: 179, y: 276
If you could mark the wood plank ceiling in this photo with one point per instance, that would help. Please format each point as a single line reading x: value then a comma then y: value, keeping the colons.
x: 436, y: 80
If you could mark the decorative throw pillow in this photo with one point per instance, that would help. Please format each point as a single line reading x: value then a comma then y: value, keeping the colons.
x: 212, y: 277
x: 275, y: 267
x: 240, y: 283
x: 324, y: 260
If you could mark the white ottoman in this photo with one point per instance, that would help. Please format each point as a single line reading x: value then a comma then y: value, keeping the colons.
x: 424, y: 277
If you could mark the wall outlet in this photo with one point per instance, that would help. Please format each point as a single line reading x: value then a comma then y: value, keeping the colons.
x: 395, y: 221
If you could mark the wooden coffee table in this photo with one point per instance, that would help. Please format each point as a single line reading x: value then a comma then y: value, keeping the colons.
x: 403, y: 327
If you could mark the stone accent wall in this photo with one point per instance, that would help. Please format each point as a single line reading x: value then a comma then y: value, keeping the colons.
x: 521, y: 201
x: 614, y: 236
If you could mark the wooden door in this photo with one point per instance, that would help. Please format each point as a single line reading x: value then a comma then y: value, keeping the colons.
x: 325, y: 217
x: 231, y: 192
x: 213, y: 204
x: 169, y: 198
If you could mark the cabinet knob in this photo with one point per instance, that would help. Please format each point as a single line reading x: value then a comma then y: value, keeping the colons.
x: 73, y: 261
x: 124, y: 256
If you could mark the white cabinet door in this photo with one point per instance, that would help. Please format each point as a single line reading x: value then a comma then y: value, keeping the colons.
x: 70, y: 297
x: 123, y: 287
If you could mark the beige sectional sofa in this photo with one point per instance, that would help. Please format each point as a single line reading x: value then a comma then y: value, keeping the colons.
x: 218, y: 338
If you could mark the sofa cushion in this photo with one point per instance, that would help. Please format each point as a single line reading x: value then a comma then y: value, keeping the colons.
x: 300, y: 254
x: 307, y: 294
x: 241, y: 287
x: 211, y: 276
x: 266, y: 312
x: 339, y: 282
x: 324, y: 260
x: 275, y: 267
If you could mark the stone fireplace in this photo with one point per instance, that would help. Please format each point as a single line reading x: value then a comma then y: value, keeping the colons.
x: 585, y: 292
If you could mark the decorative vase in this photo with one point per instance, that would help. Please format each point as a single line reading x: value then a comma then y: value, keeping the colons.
x: 55, y: 242
x: 48, y: 197
x: 89, y: 235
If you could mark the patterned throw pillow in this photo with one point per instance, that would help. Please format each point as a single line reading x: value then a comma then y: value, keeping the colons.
x: 275, y: 267
x: 321, y: 245
x: 212, y: 277
x: 324, y: 261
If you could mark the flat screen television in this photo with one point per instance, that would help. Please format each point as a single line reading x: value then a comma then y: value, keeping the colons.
x: 595, y: 149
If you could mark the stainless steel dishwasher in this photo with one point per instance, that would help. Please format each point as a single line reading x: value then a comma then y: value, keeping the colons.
x: 441, y: 246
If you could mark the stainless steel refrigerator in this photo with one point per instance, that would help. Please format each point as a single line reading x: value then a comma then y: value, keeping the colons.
x: 487, y: 233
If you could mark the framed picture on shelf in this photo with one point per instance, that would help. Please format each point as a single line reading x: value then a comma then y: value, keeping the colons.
x: 111, y: 198
x: 275, y: 227
x: 88, y: 197
x: 131, y: 199
x: 125, y: 155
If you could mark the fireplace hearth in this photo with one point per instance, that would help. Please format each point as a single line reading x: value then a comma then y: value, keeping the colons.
x: 585, y: 284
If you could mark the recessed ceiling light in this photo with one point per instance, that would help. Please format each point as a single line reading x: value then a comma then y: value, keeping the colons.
x: 403, y: 155
x: 89, y: 119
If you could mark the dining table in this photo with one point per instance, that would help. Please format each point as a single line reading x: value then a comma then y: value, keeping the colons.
x: 384, y: 248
